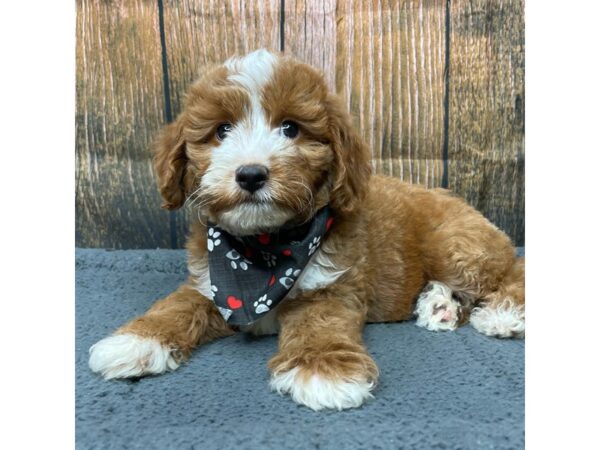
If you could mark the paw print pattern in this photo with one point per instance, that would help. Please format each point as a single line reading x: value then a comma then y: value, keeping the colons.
x: 288, y: 279
x: 225, y: 312
x: 262, y: 305
x: 213, y: 239
x: 312, y: 246
x: 270, y: 258
x: 213, y: 291
x: 237, y: 260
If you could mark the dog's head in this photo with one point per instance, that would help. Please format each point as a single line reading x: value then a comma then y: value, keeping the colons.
x: 261, y: 143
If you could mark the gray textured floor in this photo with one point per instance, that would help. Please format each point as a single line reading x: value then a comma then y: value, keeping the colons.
x: 458, y: 390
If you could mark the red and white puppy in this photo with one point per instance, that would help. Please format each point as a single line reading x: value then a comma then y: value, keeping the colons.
x: 395, y: 250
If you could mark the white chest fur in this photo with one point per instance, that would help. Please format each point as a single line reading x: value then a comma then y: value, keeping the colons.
x: 320, y: 272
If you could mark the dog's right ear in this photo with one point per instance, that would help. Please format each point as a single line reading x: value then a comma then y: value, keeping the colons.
x: 170, y: 163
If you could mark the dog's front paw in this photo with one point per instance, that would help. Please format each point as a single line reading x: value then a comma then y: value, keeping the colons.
x: 128, y: 355
x: 339, y: 377
x: 319, y: 392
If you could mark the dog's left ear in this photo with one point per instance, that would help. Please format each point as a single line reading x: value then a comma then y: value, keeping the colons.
x: 352, y: 159
x: 170, y: 162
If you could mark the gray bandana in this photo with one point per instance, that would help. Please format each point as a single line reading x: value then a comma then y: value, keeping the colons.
x: 250, y: 275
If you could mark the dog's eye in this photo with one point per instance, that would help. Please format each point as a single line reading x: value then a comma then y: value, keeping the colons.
x: 222, y: 130
x: 289, y: 129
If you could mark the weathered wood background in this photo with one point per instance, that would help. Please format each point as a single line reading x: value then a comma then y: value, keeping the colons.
x: 436, y: 87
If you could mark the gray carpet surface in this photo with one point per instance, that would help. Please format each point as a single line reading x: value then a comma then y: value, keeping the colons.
x: 452, y: 390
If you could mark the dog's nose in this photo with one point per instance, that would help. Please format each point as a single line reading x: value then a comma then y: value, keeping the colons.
x: 252, y: 177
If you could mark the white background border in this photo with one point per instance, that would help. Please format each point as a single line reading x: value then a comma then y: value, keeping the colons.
x: 562, y: 223
x: 37, y: 182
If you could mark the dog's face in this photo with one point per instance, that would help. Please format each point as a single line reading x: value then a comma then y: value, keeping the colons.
x: 261, y: 143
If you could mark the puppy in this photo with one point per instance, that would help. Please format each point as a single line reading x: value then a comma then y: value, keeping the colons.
x: 292, y: 234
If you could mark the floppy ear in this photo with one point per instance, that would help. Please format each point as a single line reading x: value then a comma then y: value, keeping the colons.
x: 170, y: 162
x: 352, y: 159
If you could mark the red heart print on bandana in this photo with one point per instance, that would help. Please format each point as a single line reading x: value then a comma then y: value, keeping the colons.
x: 255, y: 273
x: 234, y: 303
x: 328, y: 224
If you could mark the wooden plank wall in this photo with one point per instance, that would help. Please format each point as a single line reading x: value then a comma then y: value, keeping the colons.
x: 486, y: 133
x: 436, y: 87
x: 120, y: 105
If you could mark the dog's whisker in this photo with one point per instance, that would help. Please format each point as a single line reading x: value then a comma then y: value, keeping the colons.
x: 289, y: 193
x: 195, y: 193
x: 200, y: 218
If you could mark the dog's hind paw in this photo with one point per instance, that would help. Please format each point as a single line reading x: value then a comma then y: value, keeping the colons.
x: 436, y: 310
x: 505, y: 320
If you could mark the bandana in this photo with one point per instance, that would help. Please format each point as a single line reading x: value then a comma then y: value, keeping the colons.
x: 251, y: 275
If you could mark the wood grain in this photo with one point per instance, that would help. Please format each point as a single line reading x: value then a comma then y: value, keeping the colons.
x: 486, y: 109
x: 310, y: 34
x: 390, y: 71
x: 386, y: 58
x: 119, y: 107
x: 208, y: 31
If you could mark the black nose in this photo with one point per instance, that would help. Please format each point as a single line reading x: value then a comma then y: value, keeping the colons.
x: 251, y: 178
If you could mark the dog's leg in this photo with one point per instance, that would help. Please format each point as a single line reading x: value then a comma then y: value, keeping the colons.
x: 160, y: 339
x: 477, y: 261
x: 502, y: 311
x: 322, y: 362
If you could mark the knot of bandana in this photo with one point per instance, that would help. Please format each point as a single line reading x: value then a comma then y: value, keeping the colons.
x: 251, y: 275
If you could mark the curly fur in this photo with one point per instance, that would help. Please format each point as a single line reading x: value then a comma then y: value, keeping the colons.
x: 389, y: 238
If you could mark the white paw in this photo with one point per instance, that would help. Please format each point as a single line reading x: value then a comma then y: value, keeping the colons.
x: 504, y: 320
x: 128, y: 355
x: 436, y: 309
x: 319, y: 393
